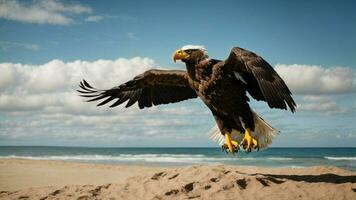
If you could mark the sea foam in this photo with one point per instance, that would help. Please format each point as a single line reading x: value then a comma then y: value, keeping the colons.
x: 339, y: 158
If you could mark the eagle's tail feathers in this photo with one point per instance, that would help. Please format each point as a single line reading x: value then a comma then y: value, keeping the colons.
x: 264, y: 133
x: 216, y: 136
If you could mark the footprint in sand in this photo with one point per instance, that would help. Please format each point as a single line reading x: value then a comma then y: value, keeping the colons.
x: 188, y: 187
x: 241, y: 183
x: 172, y: 177
x: 158, y: 175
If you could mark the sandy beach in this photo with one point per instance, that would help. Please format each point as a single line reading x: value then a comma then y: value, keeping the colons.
x: 39, y: 179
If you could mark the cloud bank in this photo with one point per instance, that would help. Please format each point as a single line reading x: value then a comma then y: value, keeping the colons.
x: 322, y: 104
x: 316, y: 80
x: 41, y: 11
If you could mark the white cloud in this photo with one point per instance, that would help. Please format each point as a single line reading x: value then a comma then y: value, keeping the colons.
x: 56, y: 5
x: 131, y: 36
x: 94, y: 18
x: 41, y: 12
x: 6, y: 46
x: 313, y: 80
x: 322, y: 104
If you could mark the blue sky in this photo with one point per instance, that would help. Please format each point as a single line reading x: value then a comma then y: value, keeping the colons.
x: 46, y: 47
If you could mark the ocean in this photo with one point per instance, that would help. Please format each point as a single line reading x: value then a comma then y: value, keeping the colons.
x: 273, y: 157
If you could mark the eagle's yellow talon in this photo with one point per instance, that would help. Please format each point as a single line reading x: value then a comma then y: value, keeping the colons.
x: 248, y: 142
x: 230, y: 144
x: 234, y: 143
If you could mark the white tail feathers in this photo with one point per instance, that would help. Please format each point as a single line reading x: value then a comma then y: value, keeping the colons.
x: 264, y: 133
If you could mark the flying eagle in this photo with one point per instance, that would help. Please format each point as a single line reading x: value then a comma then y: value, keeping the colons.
x: 221, y: 84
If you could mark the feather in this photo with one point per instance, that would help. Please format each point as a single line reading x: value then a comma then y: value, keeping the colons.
x: 152, y: 87
x: 106, y: 100
x: 239, y: 77
x: 275, y: 92
x: 87, y: 84
x: 134, y: 97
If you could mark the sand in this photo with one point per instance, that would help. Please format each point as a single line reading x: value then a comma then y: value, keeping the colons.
x: 29, y: 179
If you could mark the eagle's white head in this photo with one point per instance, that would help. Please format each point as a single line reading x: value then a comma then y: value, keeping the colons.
x: 193, y: 47
x: 188, y: 52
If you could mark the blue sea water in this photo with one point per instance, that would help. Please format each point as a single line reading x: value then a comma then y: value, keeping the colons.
x: 272, y: 157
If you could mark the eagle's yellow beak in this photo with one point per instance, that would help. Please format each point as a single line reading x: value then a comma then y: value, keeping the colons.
x: 179, y: 55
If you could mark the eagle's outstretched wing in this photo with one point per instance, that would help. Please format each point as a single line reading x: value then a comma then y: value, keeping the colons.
x: 260, y: 79
x: 152, y: 87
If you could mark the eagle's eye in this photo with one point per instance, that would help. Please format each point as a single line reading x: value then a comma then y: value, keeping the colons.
x: 189, y: 51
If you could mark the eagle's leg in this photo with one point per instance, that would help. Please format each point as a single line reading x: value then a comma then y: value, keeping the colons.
x: 230, y: 144
x: 248, y: 141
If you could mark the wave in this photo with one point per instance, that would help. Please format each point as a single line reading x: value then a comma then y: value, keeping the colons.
x: 170, y: 158
x: 339, y: 158
x: 151, y: 158
x: 295, y: 166
x: 280, y: 158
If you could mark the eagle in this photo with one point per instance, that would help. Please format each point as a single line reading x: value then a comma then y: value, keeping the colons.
x: 221, y: 84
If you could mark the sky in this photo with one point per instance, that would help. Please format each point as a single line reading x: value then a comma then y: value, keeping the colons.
x: 47, y: 47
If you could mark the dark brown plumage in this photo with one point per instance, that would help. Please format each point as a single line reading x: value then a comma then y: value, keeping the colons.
x: 153, y: 87
x: 221, y: 85
x: 264, y: 83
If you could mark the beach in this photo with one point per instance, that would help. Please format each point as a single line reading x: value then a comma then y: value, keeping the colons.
x: 44, y: 179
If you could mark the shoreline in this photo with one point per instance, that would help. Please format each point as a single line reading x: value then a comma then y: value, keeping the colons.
x: 344, y: 158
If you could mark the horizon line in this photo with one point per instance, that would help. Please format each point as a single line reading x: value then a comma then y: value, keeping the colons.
x: 133, y: 147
